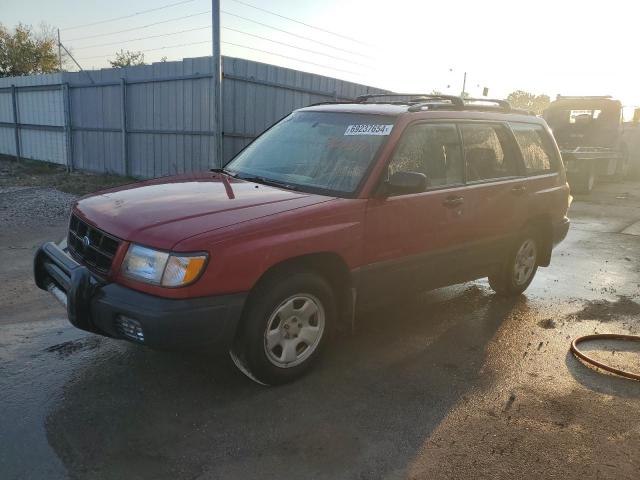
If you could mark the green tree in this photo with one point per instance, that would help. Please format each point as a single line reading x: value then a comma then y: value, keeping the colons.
x: 127, y: 58
x: 25, y: 52
x: 529, y: 101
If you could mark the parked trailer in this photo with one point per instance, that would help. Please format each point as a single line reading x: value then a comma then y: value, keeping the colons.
x: 589, y: 132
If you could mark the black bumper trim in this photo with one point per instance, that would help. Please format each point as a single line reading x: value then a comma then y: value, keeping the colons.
x: 97, y: 306
x: 560, y: 230
x: 52, y: 265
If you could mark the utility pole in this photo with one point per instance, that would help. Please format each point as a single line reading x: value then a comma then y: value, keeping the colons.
x: 464, y: 84
x: 217, y: 82
x: 76, y: 62
x: 64, y: 88
x: 59, y: 53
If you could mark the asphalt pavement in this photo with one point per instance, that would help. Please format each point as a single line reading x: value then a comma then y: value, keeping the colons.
x: 454, y: 383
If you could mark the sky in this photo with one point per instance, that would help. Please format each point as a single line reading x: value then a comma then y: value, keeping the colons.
x: 548, y: 47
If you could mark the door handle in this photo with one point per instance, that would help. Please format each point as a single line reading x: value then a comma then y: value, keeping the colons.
x: 453, y: 201
x: 519, y: 190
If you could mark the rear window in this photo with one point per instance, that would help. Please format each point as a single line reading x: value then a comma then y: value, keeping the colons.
x: 578, y: 116
x: 536, y: 148
x: 489, y: 152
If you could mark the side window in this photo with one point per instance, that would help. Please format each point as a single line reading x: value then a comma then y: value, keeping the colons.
x: 432, y: 149
x: 489, y: 152
x: 537, y: 153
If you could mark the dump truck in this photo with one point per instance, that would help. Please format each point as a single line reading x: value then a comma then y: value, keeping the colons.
x: 590, y: 134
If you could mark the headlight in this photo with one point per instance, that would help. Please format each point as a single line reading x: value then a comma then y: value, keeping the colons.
x: 162, y: 268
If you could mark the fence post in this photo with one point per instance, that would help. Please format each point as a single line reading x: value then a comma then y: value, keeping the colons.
x: 68, y: 132
x: 123, y: 125
x: 16, y: 125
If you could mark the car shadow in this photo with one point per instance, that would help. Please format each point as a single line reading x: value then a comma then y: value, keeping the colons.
x: 365, y: 410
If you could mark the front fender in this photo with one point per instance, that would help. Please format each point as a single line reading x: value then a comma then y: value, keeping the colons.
x: 243, y: 252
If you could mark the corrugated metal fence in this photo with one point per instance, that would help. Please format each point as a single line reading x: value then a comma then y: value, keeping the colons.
x: 152, y: 120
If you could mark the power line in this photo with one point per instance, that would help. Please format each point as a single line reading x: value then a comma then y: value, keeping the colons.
x: 342, y: 59
x: 176, y: 46
x: 129, y: 16
x: 151, y: 49
x: 138, y: 28
x: 235, y: 45
x: 303, y: 23
x: 144, y: 38
x: 292, y: 58
x: 298, y: 36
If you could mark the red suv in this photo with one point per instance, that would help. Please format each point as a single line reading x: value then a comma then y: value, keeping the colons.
x: 333, y: 207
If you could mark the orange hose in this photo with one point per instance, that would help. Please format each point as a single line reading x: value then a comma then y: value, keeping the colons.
x: 604, y: 336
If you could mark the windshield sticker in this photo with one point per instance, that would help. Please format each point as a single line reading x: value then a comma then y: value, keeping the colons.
x: 368, y: 129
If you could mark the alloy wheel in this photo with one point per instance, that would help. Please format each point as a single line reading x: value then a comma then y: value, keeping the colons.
x: 525, y: 262
x: 294, y: 330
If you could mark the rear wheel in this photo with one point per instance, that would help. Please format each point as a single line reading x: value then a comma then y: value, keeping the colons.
x: 583, y: 182
x: 622, y: 167
x: 519, y: 269
x: 284, y: 327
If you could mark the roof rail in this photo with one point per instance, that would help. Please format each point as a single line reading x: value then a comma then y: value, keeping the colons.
x: 417, y: 97
x: 433, y: 102
x: 364, y: 98
x: 503, y: 104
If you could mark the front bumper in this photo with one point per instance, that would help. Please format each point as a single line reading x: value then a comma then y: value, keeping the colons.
x: 115, y: 311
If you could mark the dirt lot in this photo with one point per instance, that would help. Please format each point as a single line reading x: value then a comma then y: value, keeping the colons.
x: 457, y: 383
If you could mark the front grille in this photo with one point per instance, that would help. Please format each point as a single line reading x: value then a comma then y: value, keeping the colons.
x: 91, y: 246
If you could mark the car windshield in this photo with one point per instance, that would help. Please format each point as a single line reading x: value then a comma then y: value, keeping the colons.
x: 314, y: 151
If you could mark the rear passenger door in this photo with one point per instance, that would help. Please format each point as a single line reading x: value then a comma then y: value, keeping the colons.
x: 547, y: 191
x: 495, y: 194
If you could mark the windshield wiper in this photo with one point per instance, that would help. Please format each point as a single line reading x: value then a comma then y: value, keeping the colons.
x: 267, y: 181
x: 222, y: 170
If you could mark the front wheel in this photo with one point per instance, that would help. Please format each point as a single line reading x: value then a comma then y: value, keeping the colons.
x: 519, y: 269
x: 284, y: 327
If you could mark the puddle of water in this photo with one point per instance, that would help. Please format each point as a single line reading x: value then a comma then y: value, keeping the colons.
x: 36, y: 359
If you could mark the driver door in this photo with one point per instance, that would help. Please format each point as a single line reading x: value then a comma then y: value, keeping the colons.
x: 411, y: 240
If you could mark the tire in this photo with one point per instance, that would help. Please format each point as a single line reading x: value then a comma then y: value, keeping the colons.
x: 583, y: 182
x: 284, y: 327
x: 520, y: 267
x: 622, y: 167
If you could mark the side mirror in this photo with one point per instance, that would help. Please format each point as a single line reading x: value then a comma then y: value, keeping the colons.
x: 406, y: 182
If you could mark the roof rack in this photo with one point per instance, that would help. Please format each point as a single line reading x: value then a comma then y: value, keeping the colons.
x: 465, y: 103
x: 417, y: 97
x: 503, y: 104
x: 438, y: 102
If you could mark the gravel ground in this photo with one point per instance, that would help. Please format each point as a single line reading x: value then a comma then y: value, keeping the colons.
x: 24, y: 206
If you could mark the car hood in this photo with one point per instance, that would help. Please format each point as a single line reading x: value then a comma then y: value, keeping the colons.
x: 162, y: 212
